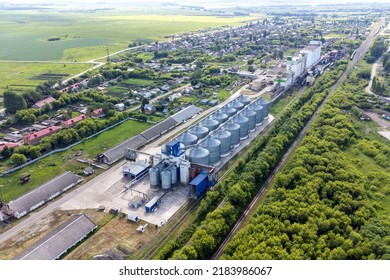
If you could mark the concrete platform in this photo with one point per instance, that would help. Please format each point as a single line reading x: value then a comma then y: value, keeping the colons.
x: 109, y: 191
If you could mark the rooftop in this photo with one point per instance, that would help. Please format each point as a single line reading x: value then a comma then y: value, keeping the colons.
x: 42, y: 102
x: 42, y: 132
x: 60, y: 240
x: 42, y: 193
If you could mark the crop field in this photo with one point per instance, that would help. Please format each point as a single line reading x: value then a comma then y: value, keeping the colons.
x: 19, y: 76
x: 52, y: 166
x: 71, y: 37
x: 80, y: 37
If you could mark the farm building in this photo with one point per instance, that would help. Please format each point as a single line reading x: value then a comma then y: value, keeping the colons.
x: 60, y: 240
x: 186, y: 113
x: 116, y: 153
x: 136, y: 170
x: 41, y: 195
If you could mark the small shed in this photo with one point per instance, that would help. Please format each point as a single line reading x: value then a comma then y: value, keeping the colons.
x: 114, y: 211
x: 88, y: 171
x: 213, y: 102
x: 204, y: 102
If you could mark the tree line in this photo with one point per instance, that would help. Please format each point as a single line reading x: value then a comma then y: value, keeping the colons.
x: 322, y: 206
x: 213, y: 224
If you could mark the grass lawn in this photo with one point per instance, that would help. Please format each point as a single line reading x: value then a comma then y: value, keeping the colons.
x: 18, y: 76
x: 223, y: 94
x: 52, y: 166
x: 138, y: 82
x: 117, y: 91
x: 281, y: 103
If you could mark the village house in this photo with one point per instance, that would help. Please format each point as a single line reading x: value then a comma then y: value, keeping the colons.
x: 9, y: 145
x: 41, y: 103
x: 97, y: 113
x: 73, y: 121
x: 149, y: 109
x: 34, y: 138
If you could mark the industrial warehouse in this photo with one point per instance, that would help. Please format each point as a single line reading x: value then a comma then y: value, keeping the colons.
x: 60, y: 240
x: 157, y: 181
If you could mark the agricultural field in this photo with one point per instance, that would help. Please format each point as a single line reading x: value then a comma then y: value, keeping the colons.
x: 18, y: 76
x: 81, y: 37
x: 52, y: 166
x: 70, y: 37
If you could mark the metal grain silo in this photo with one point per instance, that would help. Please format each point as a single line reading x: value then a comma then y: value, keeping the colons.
x: 185, y: 171
x: 229, y: 110
x: 199, y: 155
x: 265, y: 105
x: 213, y: 146
x: 187, y: 139
x: 220, y: 117
x: 234, y: 130
x: 166, y: 179
x: 243, y: 121
x: 223, y: 136
x: 173, y: 171
x: 251, y: 119
x: 237, y: 105
x: 199, y: 130
x: 258, y: 109
x: 210, y: 123
x: 154, y: 177
x: 244, y: 99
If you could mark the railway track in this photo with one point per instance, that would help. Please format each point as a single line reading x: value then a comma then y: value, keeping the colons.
x: 359, y: 53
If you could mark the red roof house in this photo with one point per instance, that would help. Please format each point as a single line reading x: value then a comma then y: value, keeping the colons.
x: 41, y: 103
x: 97, y: 113
x: 34, y: 138
x: 72, y: 122
x: 9, y: 145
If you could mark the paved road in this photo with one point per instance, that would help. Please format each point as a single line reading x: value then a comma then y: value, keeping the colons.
x: 360, y: 51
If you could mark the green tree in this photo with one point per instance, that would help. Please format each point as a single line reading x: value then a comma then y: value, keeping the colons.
x: 14, y: 102
x: 6, y: 152
x: 18, y: 159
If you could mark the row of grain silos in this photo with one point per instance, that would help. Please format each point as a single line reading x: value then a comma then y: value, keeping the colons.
x: 218, y: 134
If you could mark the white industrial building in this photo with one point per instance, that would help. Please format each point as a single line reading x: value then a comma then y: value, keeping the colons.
x: 297, y: 64
x: 312, y: 53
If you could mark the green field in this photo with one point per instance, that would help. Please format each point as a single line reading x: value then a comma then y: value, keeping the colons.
x: 24, y: 36
x: 54, y: 165
x: 19, y: 76
x: 83, y: 36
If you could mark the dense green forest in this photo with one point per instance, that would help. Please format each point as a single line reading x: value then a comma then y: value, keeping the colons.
x: 331, y: 200
x: 213, y: 223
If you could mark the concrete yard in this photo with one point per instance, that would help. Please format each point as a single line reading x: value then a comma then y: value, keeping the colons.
x: 109, y: 190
